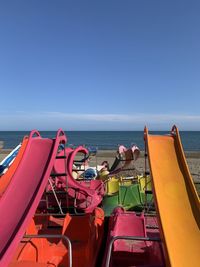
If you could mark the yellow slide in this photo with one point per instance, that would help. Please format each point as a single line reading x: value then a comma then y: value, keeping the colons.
x: 176, y: 200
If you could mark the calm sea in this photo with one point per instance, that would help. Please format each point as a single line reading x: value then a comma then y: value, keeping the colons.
x: 102, y: 139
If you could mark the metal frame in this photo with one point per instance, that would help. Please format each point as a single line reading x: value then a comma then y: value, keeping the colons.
x: 54, y: 193
x: 136, y: 238
x: 56, y: 236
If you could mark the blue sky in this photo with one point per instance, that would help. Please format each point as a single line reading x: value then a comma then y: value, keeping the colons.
x: 99, y: 65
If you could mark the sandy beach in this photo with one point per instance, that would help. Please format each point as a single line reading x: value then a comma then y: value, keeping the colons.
x: 192, y: 157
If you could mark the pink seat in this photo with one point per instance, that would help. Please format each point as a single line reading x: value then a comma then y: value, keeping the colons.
x: 130, y: 252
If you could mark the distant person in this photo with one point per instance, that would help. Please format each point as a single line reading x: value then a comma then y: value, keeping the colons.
x: 104, y: 172
x: 106, y: 165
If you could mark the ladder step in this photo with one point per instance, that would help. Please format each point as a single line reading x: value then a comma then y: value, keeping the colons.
x: 57, y: 192
x: 58, y: 174
x: 53, y: 208
x: 79, y: 161
x: 61, y: 157
x: 152, y: 227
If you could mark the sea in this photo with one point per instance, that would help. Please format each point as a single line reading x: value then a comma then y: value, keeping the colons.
x: 103, y: 140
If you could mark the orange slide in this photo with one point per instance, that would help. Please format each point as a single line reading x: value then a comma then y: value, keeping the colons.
x: 176, y: 199
x: 6, y: 178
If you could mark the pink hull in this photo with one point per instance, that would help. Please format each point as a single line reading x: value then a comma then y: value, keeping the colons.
x: 88, y: 194
x: 127, y: 252
x: 21, y: 198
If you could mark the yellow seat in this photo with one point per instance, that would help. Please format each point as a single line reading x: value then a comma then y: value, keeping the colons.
x: 112, y: 186
x: 142, y: 180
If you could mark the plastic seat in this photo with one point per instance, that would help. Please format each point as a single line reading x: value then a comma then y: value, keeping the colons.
x: 39, y: 251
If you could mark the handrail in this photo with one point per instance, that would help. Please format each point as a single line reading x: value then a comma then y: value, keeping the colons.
x: 79, y: 149
x: 146, y: 132
x: 56, y: 236
x: 136, y: 238
x: 61, y: 135
x: 174, y: 130
x: 34, y: 132
x: 185, y: 165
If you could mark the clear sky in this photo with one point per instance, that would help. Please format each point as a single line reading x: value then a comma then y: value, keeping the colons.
x: 99, y: 65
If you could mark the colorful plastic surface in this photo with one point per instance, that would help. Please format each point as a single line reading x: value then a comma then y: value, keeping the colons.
x: 176, y: 199
x: 24, y: 192
x: 88, y: 194
x: 6, y: 177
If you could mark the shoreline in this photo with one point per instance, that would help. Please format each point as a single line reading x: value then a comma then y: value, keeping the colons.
x: 7, y: 150
x: 112, y: 153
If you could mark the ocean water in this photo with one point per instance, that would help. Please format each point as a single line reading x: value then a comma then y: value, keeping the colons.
x: 103, y: 139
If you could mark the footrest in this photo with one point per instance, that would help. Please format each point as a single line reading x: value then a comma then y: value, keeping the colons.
x: 61, y: 157
x: 58, y: 174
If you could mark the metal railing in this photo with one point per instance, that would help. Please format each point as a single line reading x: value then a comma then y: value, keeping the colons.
x: 57, y: 236
x: 135, y: 238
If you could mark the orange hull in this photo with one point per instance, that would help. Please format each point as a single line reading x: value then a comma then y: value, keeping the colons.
x: 6, y: 178
x: 84, y: 231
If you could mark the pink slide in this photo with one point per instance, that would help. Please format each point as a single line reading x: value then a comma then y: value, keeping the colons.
x: 88, y: 194
x: 22, y: 196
